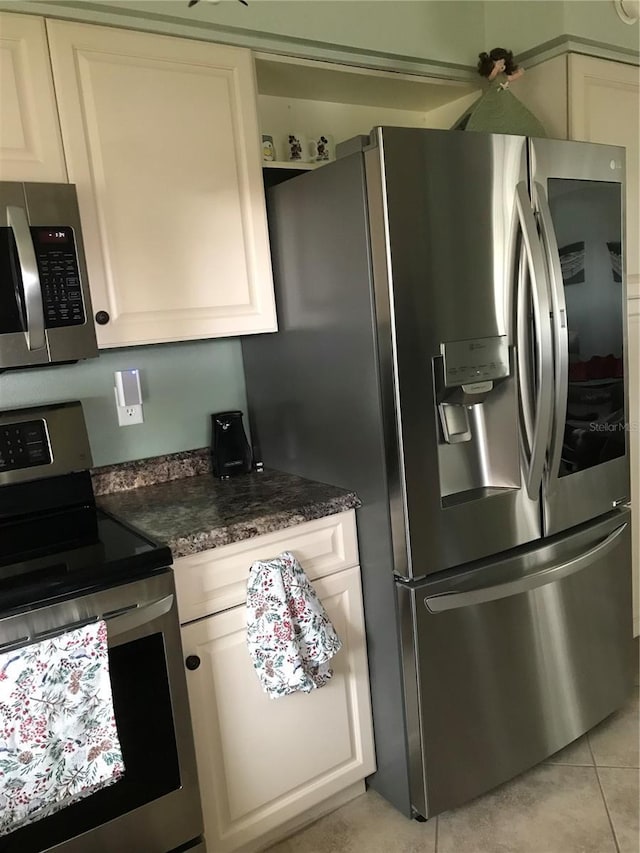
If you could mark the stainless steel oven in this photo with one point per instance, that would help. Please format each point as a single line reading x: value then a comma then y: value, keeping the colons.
x: 155, y: 806
x: 65, y: 564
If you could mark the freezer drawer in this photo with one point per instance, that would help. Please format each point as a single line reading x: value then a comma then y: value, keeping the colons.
x: 514, y: 660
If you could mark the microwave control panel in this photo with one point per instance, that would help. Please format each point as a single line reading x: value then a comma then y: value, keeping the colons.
x: 23, y: 445
x: 57, y: 260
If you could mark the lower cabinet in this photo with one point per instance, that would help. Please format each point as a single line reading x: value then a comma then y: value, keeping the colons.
x: 264, y: 763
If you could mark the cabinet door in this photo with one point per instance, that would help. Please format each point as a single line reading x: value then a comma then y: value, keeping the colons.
x: 161, y: 138
x: 604, y: 106
x: 215, y: 580
x: 263, y: 761
x: 30, y: 142
x: 543, y: 90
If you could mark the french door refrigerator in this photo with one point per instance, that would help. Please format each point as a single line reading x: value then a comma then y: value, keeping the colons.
x: 452, y: 346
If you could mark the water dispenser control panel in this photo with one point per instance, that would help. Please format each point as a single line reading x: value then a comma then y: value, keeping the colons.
x: 475, y: 361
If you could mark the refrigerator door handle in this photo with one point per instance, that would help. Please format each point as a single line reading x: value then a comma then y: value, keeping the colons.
x: 19, y: 224
x: 543, y: 343
x: 525, y: 368
x: 549, y: 574
x: 560, y: 332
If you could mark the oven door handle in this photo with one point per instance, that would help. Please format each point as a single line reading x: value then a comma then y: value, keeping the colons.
x: 121, y: 621
x: 118, y: 622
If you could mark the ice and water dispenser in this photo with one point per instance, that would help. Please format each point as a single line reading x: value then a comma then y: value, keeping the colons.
x: 477, y: 408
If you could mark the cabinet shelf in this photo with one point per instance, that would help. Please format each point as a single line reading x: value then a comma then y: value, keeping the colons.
x: 315, y: 98
x: 289, y: 164
x: 297, y: 78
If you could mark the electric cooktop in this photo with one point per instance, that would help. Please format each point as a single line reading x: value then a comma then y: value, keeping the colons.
x: 54, y: 542
x: 79, y: 551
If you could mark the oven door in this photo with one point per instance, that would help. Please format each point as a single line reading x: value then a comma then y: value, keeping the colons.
x: 155, y: 807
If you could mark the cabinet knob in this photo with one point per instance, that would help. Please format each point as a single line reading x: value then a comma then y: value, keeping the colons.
x: 102, y: 318
x: 192, y: 662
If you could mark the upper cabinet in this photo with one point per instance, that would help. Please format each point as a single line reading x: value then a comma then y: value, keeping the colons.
x: 162, y: 141
x: 604, y: 106
x: 593, y: 100
x: 30, y: 143
x: 161, y: 137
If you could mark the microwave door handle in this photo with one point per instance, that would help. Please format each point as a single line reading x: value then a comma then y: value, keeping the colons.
x: 17, y: 220
x: 560, y: 332
x: 543, y: 341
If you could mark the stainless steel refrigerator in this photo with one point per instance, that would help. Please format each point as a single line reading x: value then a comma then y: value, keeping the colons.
x: 452, y: 346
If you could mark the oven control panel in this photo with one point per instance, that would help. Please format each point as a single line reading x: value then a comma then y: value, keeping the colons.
x: 23, y: 445
x: 59, y: 276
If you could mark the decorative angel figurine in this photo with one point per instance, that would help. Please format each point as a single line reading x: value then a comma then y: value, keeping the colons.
x: 499, y: 61
x: 498, y: 110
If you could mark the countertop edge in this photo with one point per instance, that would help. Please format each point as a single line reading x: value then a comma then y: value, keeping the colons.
x: 187, y: 546
x: 175, y: 501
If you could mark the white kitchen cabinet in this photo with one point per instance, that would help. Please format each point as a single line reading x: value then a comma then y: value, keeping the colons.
x: 543, y: 89
x: 604, y: 106
x: 30, y: 141
x: 161, y: 139
x: 266, y: 766
x: 593, y: 100
x: 215, y: 580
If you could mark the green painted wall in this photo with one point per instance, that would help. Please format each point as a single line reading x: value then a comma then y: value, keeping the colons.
x: 418, y: 31
x: 438, y: 31
x: 521, y: 25
x: 599, y: 21
x: 182, y: 384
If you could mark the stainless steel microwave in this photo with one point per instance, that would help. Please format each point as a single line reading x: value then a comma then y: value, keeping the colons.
x: 45, y: 307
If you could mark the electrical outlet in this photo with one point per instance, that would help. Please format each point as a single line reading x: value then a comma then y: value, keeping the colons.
x: 129, y: 415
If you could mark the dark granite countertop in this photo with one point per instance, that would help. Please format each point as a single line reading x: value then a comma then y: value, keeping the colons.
x: 196, y: 513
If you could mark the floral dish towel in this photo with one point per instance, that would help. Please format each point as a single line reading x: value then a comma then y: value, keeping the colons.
x: 289, y: 635
x: 58, y: 737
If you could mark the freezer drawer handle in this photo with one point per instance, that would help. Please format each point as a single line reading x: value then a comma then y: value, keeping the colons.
x: 453, y: 600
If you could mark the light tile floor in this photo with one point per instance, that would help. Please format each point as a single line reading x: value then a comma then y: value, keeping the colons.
x: 584, y: 799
